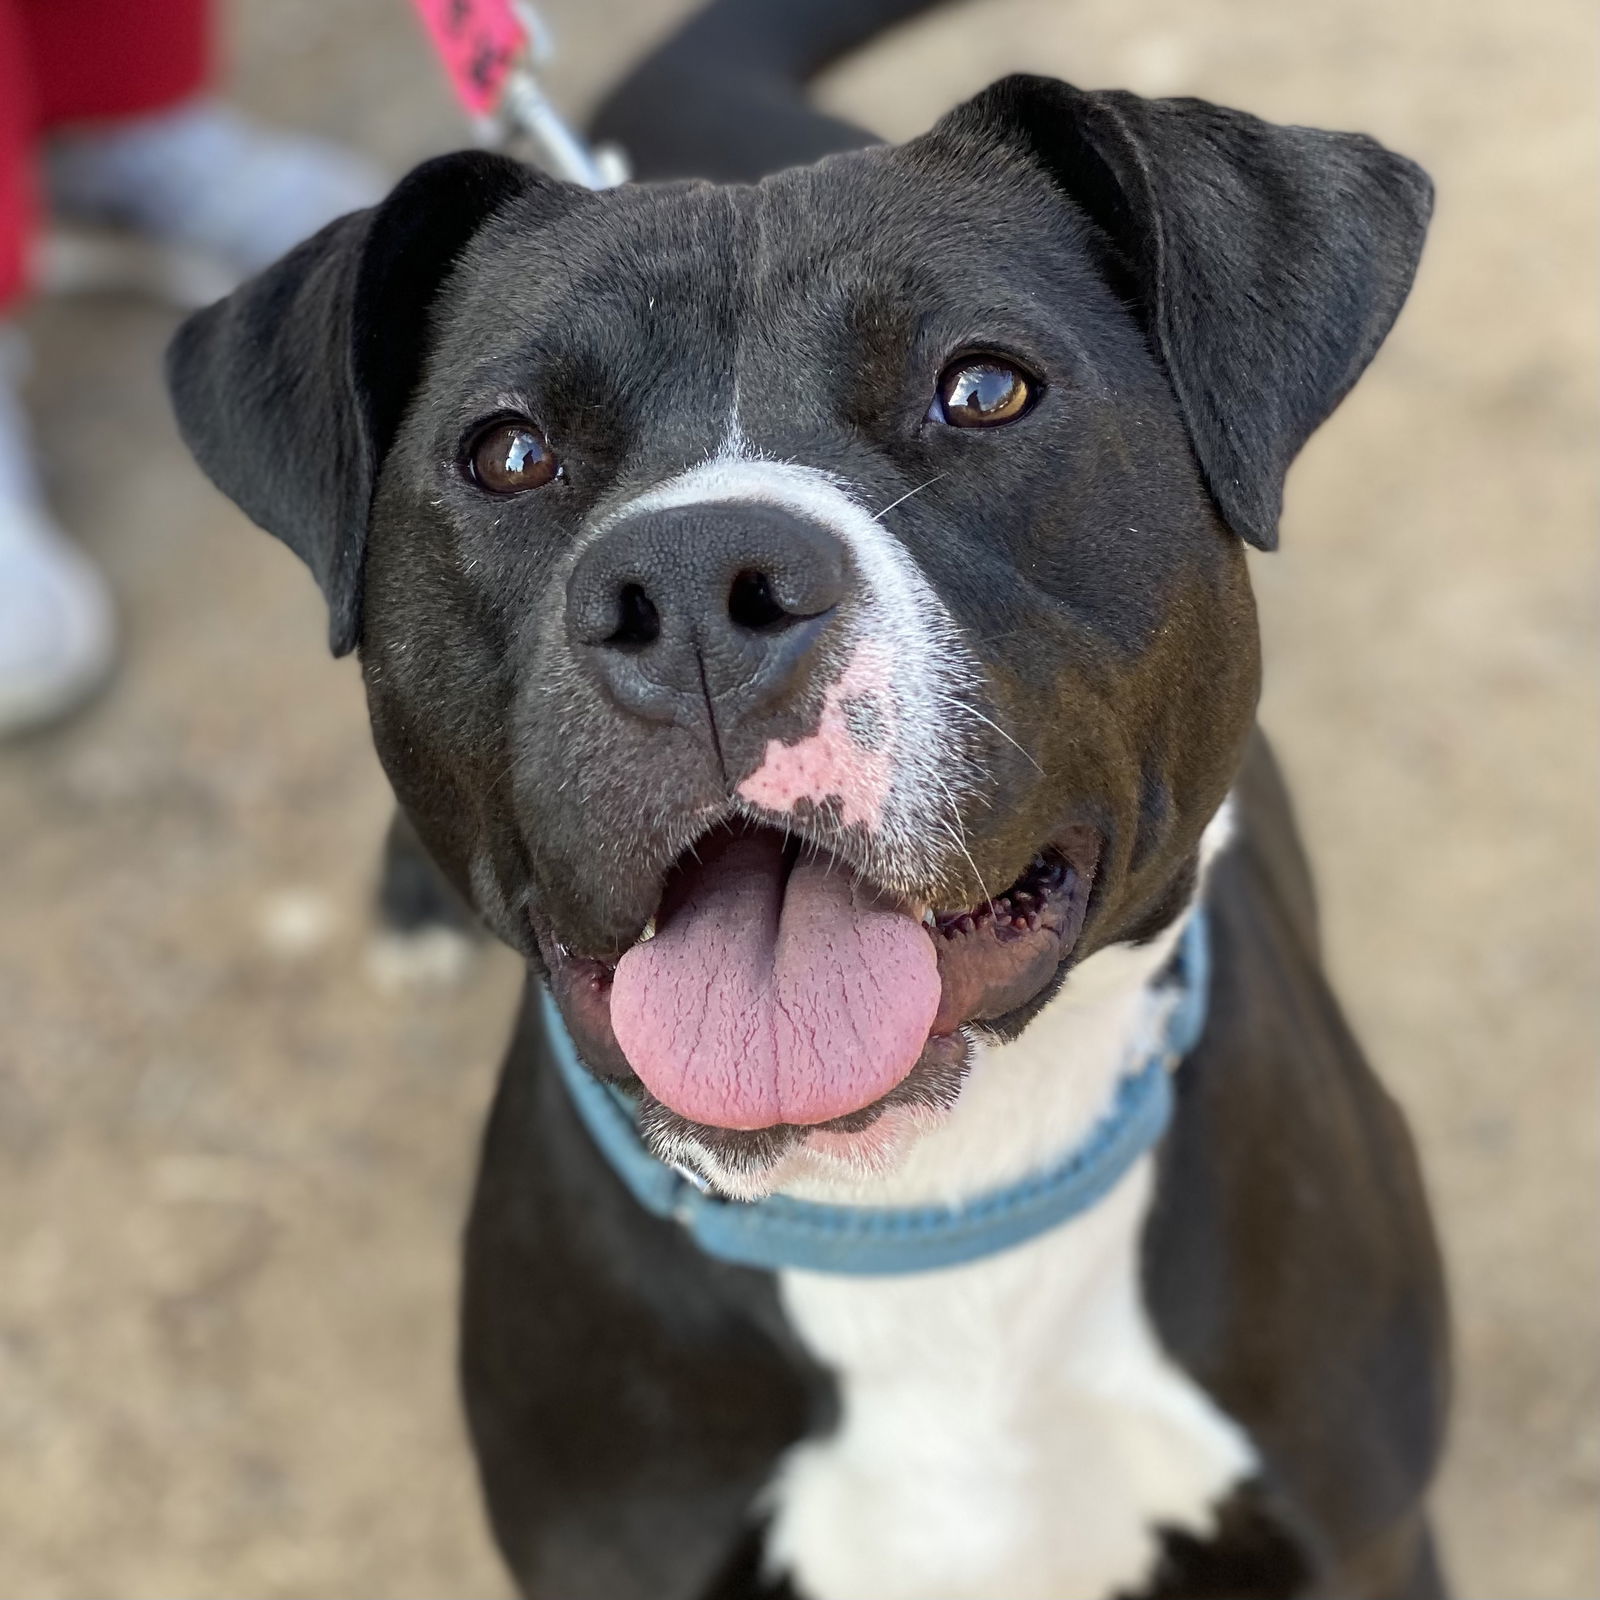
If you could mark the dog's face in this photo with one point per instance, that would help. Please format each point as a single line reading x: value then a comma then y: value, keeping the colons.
x: 809, y: 617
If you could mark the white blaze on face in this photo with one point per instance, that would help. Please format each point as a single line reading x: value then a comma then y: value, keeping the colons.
x: 894, y: 731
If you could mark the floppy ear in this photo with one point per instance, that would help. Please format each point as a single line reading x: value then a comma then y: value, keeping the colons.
x: 289, y: 392
x: 1267, y: 263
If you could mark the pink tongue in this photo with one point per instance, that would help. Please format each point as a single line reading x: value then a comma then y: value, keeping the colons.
x: 774, y: 995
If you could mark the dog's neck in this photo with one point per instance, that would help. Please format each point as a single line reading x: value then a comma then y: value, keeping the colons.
x: 1028, y: 1101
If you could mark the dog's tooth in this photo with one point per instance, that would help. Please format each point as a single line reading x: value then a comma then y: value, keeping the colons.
x: 649, y: 931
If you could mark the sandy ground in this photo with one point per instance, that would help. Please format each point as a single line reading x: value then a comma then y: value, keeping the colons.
x: 232, y: 1170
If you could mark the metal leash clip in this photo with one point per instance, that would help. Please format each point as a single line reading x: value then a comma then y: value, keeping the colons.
x: 491, y: 50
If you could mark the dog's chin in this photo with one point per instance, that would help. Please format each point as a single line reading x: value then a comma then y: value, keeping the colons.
x: 733, y: 1018
x: 750, y: 1164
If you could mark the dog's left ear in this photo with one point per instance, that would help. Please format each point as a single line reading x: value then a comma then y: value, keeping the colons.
x: 290, y: 391
x: 1267, y: 263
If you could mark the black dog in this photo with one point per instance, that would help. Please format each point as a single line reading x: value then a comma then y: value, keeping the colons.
x: 751, y: 579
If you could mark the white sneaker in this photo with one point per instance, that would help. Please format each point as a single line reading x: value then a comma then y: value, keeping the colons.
x: 207, y: 195
x: 57, y: 635
x: 57, y: 628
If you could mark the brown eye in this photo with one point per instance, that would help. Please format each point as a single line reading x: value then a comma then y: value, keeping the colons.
x: 510, y: 456
x: 981, y: 391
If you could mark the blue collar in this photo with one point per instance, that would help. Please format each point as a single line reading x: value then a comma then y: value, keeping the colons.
x: 783, y: 1233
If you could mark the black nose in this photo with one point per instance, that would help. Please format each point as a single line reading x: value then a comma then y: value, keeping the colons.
x: 718, y: 603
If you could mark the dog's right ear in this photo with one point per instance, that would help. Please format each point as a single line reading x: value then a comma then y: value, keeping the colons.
x: 290, y: 391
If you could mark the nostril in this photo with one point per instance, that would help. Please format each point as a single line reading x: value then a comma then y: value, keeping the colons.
x: 638, y: 621
x: 752, y: 604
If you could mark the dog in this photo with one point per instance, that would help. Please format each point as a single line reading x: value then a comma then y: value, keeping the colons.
x: 805, y: 614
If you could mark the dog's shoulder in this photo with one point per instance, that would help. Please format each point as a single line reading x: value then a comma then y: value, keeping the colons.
x: 1289, y: 1182
x: 627, y: 1395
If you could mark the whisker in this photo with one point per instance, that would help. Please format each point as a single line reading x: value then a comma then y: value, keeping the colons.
x: 1000, y: 638
x: 972, y: 711
x: 878, y: 516
x: 958, y: 837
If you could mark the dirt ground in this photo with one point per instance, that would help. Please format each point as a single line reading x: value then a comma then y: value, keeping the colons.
x: 232, y: 1169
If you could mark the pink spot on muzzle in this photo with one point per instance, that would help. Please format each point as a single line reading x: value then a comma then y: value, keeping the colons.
x: 848, y: 758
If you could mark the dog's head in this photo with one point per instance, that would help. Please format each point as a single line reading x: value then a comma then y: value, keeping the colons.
x: 809, y: 617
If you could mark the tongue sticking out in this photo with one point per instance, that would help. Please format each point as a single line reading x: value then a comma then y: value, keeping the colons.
x: 774, y: 993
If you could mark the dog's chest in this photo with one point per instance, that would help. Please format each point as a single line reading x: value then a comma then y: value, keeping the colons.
x: 1009, y: 1430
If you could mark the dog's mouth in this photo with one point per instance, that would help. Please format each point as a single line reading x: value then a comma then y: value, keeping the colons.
x: 778, y: 994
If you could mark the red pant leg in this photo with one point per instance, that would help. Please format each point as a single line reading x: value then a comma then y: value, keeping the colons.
x: 18, y: 202
x: 78, y: 60
x: 115, y: 58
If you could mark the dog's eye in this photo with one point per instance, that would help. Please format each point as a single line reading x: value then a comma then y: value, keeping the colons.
x: 980, y: 392
x: 509, y: 456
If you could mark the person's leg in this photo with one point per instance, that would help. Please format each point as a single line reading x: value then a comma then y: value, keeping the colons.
x: 55, y: 613
x: 99, y: 59
x: 115, y: 88
x: 18, y: 197
x: 137, y: 145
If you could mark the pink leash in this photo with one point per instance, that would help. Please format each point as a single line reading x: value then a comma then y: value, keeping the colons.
x: 490, y: 50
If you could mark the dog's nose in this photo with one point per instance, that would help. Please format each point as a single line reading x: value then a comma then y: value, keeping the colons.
x: 712, y: 603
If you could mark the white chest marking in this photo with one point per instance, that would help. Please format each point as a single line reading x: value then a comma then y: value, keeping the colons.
x: 1011, y: 1429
